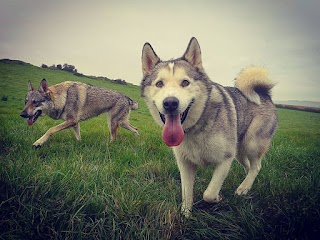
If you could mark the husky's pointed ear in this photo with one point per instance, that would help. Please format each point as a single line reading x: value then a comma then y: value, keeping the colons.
x: 43, y: 86
x: 149, y: 59
x: 193, y: 53
x: 30, y: 87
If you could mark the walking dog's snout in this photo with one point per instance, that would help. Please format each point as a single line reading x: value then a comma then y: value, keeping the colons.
x: 170, y: 104
x: 24, y: 114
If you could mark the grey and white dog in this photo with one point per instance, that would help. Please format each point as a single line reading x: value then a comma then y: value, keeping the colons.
x: 206, y: 123
x: 74, y: 102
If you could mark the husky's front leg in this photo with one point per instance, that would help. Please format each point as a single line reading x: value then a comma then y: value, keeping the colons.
x: 211, y: 195
x: 187, y: 173
x: 53, y: 130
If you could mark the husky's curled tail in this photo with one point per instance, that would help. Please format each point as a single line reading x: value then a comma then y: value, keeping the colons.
x: 252, y: 81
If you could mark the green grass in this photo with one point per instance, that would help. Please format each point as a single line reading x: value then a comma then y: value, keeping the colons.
x: 130, y: 189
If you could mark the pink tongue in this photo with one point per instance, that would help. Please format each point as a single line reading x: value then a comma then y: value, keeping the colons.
x: 172, y: 132
x: 30, y: 121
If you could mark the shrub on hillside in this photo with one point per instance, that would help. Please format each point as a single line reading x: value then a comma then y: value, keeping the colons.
x: 120, y: 81
x: 68, y: 68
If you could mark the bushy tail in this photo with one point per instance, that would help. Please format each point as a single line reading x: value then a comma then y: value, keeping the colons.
x: 133, y: 104
x: 254, y: 81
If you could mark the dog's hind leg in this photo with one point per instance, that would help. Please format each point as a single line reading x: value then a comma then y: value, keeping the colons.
x: 76, y: 129
x: 243, y: 159
x: 254, y: 146
x: 252, y: 173
x: 255, y: 157
x: 129, y: 127
x: 113, y: 129
x: 53, y: 130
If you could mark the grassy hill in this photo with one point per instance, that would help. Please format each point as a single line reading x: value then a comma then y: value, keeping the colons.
x: 130, y: 189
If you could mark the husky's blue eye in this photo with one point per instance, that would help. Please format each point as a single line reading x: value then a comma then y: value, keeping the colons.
x: 159, y: 84
x: 185, y: 83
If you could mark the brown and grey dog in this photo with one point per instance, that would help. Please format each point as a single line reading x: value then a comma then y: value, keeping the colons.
x: 74, y: 102
x: 206, y: 123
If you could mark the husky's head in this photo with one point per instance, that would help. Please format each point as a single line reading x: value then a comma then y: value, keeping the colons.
x: 36, y: 102
x: 175, y: 90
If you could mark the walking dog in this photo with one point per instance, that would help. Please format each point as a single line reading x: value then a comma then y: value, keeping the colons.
x: 74, y: 102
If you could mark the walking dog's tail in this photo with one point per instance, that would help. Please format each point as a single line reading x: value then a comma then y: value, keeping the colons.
x: 254, y: 81
x: 133, y: 104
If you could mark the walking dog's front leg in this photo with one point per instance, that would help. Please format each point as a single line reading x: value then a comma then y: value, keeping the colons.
x: 53, y: 130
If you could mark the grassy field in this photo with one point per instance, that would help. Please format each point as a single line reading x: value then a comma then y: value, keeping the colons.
x: 130, y: 189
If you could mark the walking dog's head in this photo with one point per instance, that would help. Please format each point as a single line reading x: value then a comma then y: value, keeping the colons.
x: 175, y: 90
x: 36, y: 102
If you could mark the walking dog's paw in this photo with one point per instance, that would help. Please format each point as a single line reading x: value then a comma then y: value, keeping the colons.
x: 37, y: 145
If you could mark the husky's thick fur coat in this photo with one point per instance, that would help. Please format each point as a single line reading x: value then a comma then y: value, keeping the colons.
x: 206, y: 123
x: 74, y: 102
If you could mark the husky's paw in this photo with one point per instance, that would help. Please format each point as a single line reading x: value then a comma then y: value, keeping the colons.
x: 186, y: 212
x: 242, y: 190
x: 209, y: 198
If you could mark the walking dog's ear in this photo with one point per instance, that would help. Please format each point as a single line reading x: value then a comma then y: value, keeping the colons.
x: 30, y: 87
x: 193, y: 54
x: 43, y: 86
x: 149, y: 59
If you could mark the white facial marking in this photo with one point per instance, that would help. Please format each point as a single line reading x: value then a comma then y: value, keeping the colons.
x: 171, y: 66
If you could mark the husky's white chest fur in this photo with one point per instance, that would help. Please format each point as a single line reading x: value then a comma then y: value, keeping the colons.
x: 202, y: 151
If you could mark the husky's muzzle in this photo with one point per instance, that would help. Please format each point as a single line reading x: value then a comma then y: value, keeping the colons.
x: 171, y: 104
x: 172, y: 132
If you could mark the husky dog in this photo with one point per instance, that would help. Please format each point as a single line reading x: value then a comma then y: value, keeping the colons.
x: 206, y: 123
x: 74, y: 102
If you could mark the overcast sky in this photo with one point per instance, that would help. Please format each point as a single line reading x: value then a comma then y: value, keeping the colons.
x: 105, y: 38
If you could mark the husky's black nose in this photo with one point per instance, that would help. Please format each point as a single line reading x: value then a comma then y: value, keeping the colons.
x: 170, y: 104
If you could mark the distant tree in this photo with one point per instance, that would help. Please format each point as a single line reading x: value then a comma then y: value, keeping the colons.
x: 44, y: 65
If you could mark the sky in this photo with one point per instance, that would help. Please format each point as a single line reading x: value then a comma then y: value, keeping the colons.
x: 105, y: 37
